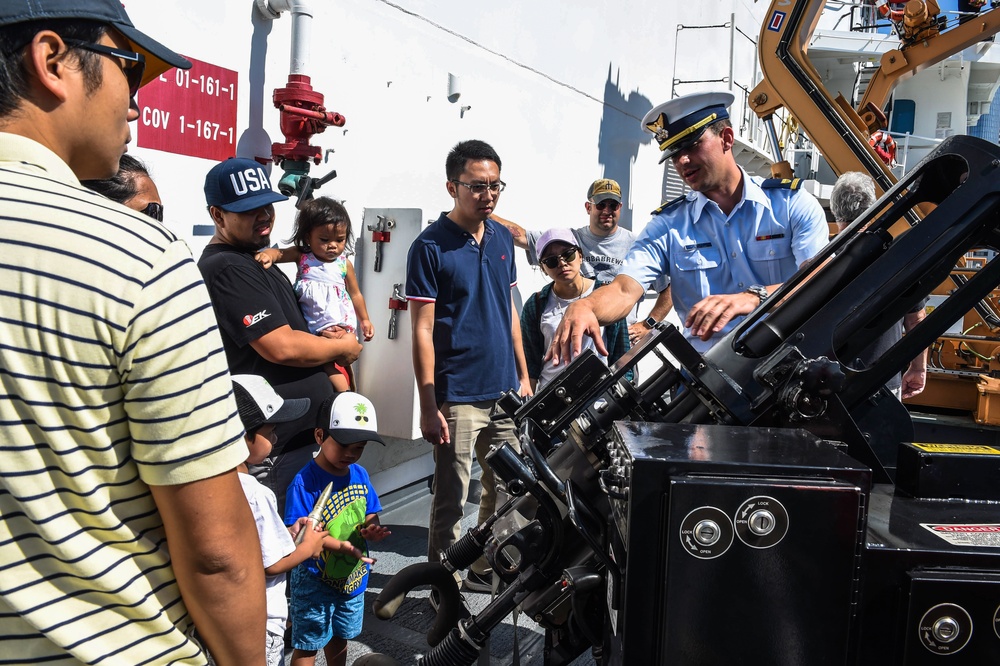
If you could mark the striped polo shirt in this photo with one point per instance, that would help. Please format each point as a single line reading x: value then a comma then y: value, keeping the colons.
x: 113, y: 379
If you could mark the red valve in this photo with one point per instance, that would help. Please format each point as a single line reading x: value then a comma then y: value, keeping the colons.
x: 302, y: 116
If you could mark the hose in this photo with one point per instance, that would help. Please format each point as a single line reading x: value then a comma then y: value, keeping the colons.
x: 450, y: 610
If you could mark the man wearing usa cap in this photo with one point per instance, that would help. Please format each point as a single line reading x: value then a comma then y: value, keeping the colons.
x: 263, y: 330
x: 120, y: 434
x: 725, y: 245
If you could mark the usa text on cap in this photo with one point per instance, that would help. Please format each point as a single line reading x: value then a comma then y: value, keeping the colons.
x: 677, y: 124
x: 110, y: 12
x: 238, y: 185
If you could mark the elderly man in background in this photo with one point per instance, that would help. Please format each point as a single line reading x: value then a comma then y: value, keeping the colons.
x: 853, y: 194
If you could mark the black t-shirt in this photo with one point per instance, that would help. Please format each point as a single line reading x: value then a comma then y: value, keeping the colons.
x: 250, y: 302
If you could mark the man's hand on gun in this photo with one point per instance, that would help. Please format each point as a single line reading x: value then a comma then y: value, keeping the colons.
x: 567, y: 342
x: 711, y: 314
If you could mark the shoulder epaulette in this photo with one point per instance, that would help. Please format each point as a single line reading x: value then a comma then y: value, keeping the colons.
x: 668, y: 204
x: 783, y: 183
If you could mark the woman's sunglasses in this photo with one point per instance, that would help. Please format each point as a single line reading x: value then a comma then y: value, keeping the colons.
x: 553, y: 261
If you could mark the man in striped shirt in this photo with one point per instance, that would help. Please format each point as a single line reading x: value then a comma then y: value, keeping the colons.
x: 118, y: 430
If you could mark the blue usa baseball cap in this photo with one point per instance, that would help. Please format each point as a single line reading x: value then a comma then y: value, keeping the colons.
x: 238, y: 185
x: 679, y: 123
x: 109, y: 12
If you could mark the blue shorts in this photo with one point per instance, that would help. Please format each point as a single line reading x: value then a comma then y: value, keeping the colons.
x: 319, y: 614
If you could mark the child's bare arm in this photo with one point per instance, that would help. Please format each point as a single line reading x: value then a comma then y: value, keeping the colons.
x: 311, y: 546
x: 364, y: 323
x: 372, y: 530
x: 274, y: 255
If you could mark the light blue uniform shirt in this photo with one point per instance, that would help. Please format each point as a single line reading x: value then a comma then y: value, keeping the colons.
x: 763, y: 241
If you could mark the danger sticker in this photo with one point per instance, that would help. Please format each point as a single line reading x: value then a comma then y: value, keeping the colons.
x: 981, y: 535
x: 977, y: 449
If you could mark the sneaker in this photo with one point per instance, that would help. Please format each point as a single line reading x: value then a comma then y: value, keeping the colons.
x: 478, y: 582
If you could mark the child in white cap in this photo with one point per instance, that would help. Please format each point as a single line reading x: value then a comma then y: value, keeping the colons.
x: 328, y: 591
x: 260, y: 408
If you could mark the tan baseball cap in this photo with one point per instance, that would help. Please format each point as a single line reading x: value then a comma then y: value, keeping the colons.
x: 604, y: 189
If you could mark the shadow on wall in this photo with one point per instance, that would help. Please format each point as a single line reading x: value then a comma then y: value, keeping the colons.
x: 255, y: 142
x: 619, y: 140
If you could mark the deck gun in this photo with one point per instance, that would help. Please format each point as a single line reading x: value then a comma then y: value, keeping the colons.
x: 763, y: 502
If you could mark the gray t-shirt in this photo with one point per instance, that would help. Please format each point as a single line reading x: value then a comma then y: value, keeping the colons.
x: 603, y: 256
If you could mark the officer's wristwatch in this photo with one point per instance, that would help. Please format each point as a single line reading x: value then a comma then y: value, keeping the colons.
x: 759, y: 291
x: 650, y: 322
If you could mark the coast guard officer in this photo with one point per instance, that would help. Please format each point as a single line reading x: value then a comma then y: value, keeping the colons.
x: 725, y: 245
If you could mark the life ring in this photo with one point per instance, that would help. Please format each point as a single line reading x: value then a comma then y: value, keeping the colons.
x: 886, y: 10
x: 884, y: 146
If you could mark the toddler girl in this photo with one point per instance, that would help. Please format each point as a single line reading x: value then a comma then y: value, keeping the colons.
x: 325, y: 282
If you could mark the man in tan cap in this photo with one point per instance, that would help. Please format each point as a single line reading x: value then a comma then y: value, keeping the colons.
x: 604, y: 244
x: 726, y: 245
x: 124, y: 521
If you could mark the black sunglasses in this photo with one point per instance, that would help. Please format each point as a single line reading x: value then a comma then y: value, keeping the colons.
x: 133, y: 65
x: 553, y: 261
x: 613, y: 205
x: 153, y: 210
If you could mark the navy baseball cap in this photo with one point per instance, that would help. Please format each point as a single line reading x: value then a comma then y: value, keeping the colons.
x: 238, y: 185
x: 110, y: 12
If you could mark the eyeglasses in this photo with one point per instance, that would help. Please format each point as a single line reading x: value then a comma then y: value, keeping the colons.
x: 480, y: 188
x: 133, y: 67
x: 611, y: 205
x: 552, y: 262
x: 153, y: 210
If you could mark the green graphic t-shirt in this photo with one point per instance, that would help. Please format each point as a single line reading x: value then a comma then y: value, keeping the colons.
x: 344, y: 514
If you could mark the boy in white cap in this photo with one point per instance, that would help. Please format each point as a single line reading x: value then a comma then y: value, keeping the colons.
x: 328, y: 592
x: 725, y: 245
x: 260, y: 409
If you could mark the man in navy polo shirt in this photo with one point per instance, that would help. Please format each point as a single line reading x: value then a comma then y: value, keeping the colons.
x: 466, y: 340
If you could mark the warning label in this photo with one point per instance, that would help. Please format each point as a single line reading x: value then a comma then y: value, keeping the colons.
x: 977, y: 449
x: 978, y: 536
